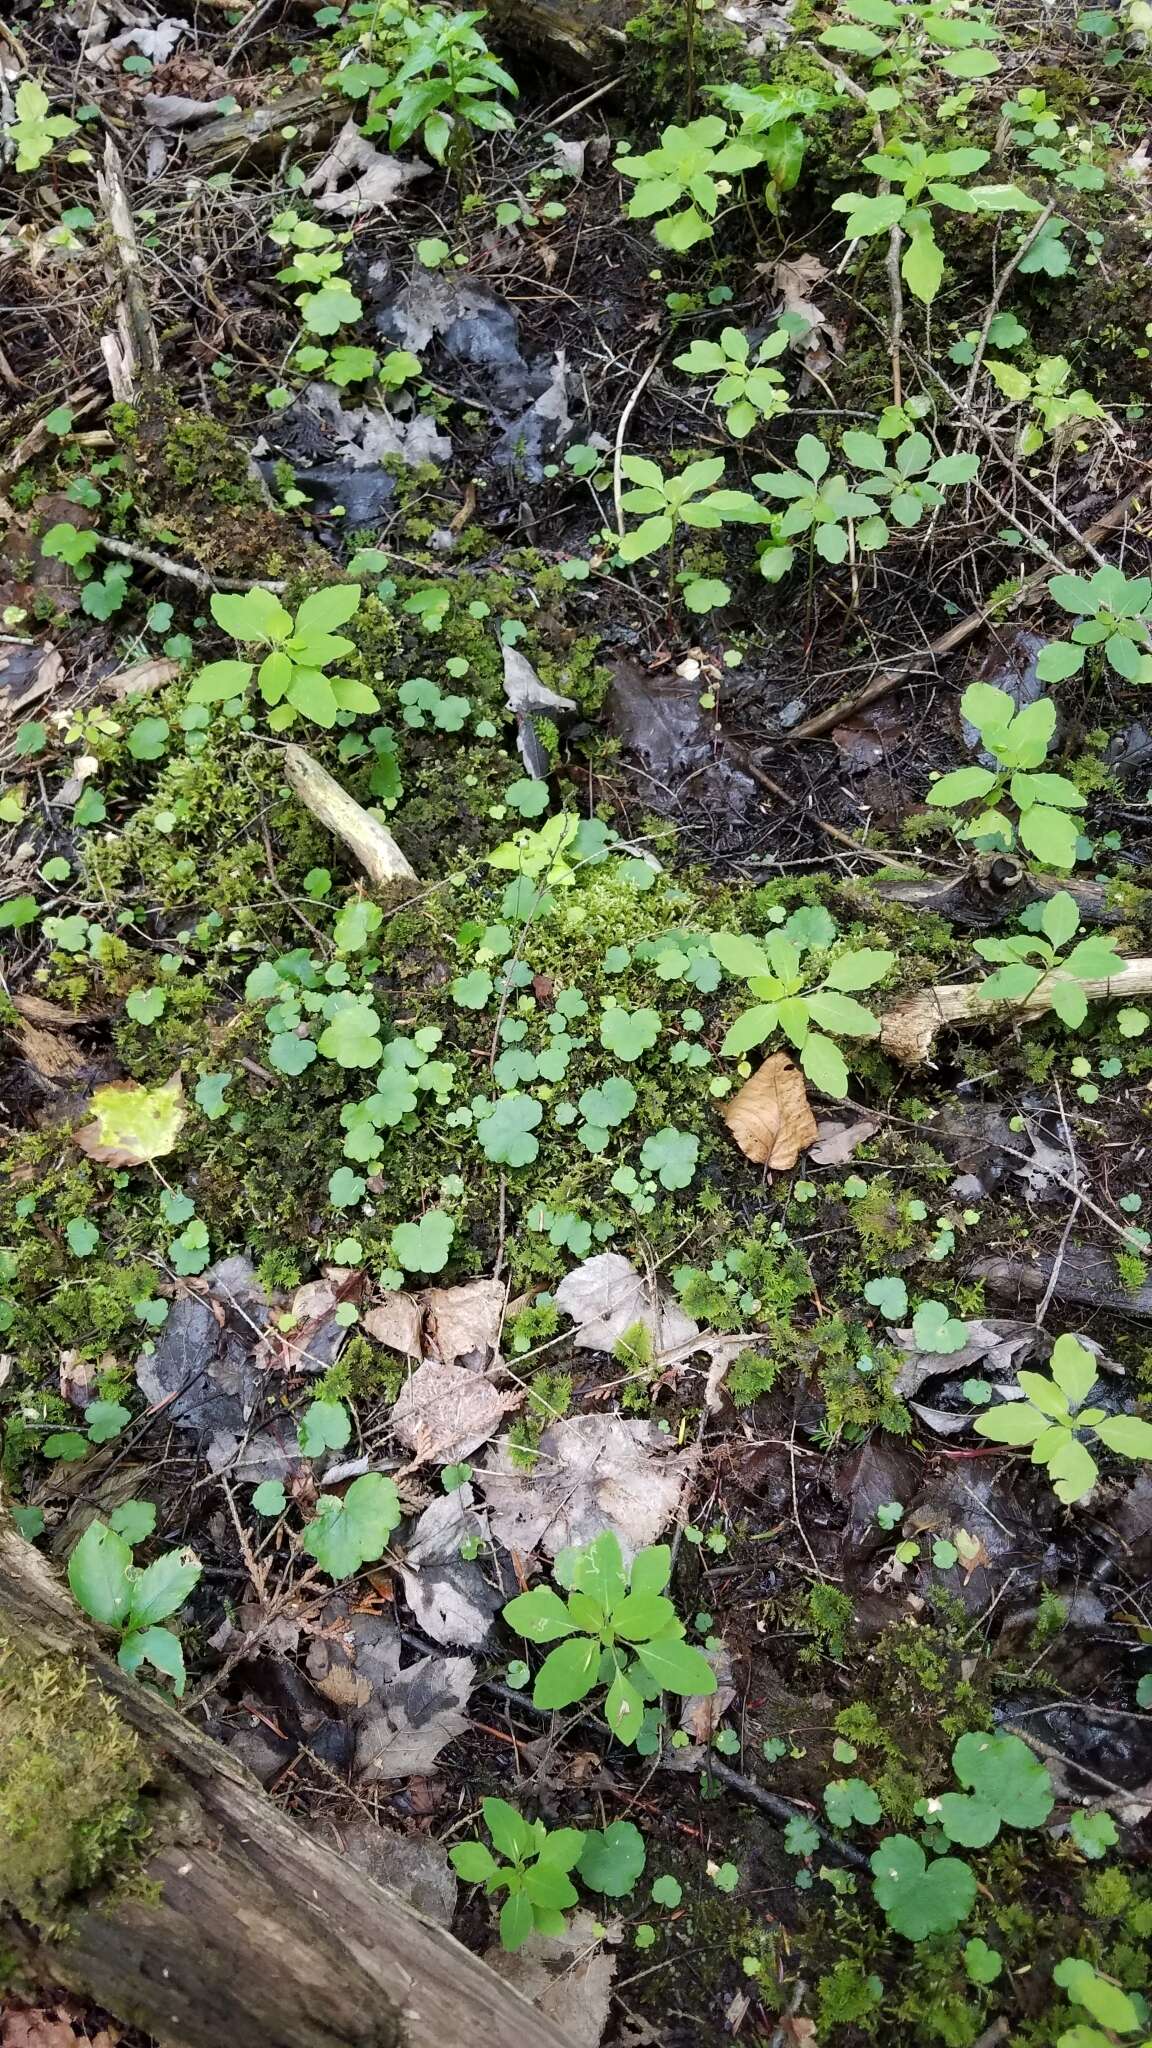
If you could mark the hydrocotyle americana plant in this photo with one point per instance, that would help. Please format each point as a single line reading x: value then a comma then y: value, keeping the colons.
x: 291, y: 676
x: 803, y: 1006
x: 616, y: 1628
x: 1019, y: 739
x: 1053, y: 1419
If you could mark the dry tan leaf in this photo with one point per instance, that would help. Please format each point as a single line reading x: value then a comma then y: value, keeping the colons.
x: 463, y: 1319
x: 142, y: 678
x: 376, y: 179
x: 771, y: 1118
x: 605, y: 1296
x: 836, y: 1141
x: 445, y: 1412
x: 396, y: 1322
x: 701, y: 1715
x: 75, y: 1384
x: 27, y: 673
x: 33, y: 2028
x: 52, y: 1056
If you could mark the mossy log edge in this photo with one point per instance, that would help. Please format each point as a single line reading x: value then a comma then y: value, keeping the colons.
x: 236, y: 1926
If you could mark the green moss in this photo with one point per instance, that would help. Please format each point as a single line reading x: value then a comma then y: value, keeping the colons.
x: 750, y: 1377
x: 71, y: 1779
x: 549, y: 1398
x: 830, y: 1615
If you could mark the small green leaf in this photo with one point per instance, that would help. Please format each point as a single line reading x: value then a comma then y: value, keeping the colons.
x: 99, y: 1574
x: 612, y: 1859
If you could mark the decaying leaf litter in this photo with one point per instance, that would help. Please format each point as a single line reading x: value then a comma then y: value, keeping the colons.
x: 542, y: 1135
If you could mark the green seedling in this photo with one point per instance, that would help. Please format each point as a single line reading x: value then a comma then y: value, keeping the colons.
x: 911, y: 483
x: 616, y: 1629
x: 1054, y: 1421
x: 1045, y: 391
x: 899, y: 40
x: 446, y: 85
x: 1019, y: 740
x: 326, y: 302
x: 690, y: 499
x: 803, y: 1004
x: 134, y: 1602
x: 1113, y: 612
x: 291, y: 676
x: 919, y: 180
x: 35, y: 130
x: 771, y: 121
x: 1049, y: 927
x: 680, y: 183
x: 532, y: 1865
x: 834, y: 513
x: 1102, y: 1999
x: 746, y: 385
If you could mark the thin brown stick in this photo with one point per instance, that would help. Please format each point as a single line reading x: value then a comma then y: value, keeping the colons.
x: 1002, y: 283
x: 906, y: 664
x: 179, y: 572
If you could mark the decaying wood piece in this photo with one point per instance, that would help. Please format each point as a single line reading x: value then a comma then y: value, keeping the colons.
x: 367, y: 840
x: 1083, y: 1275
x: 993, y: 888
x: 133, y: 352
x: 236, y: 1926
x: 235, y: 135
x: 909, y: 1030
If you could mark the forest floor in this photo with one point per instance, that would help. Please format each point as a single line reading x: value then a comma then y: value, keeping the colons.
x: 572, y: 1146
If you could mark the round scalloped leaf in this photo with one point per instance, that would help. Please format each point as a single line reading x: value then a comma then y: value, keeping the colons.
x: 921, y: 1898
x: 1002, y: 1770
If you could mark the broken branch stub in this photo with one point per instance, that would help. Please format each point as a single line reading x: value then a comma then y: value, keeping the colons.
x: 909, y: 1030
x: 368, y: 841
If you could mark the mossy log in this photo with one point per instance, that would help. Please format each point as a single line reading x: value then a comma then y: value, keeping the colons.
x: 142, y: 1867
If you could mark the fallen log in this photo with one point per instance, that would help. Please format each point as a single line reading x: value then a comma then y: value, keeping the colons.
x: 1083, y: 1275
x: 995, y: 887
x: 909, y: 1029
x: 142, y: 1867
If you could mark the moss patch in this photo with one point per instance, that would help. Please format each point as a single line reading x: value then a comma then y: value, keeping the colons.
x: 71, y: 1778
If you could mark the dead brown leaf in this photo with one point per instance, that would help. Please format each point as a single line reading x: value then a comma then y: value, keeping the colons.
x: 396, y: 1322
x: 463, y: 1319
x: 27, y: 673
x: 376, y: 180
x: 444, y: 1412
x: 836, y: 1142
x: 771, y: 1118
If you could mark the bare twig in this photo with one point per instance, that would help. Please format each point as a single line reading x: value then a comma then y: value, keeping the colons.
x: 1002, y: 283
x: 909, y: 1030
x: 179, y: 572
x: 133, y: 351
x: 907, y: 665
x: 622, y: 428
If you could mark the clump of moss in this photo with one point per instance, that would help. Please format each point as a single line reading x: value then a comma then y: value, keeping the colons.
x: 71, y: 1779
